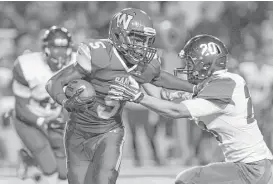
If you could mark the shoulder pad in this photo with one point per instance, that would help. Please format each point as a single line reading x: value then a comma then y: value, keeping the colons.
x: 219, y: 90
x: 100, y: 51
x: 25, y: 66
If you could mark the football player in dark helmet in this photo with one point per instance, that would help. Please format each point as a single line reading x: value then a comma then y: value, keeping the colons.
x: 222, y: 107
x: 57, y: 46
x: 34, y: 110
x: 94, y: 152
x: 202, y: 55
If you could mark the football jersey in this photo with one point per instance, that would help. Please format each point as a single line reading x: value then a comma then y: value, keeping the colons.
x: 31, y: 73
x: 259, y: 80
x: 224, y: 108
x: 104, y: 66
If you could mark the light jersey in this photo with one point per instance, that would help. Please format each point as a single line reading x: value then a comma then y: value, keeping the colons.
x: 259, y: 80
x: 102, y: 65
x: 223, y: 107
x: 31, y: 73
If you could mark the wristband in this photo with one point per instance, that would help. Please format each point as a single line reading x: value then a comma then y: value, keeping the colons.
x: 40, y: 121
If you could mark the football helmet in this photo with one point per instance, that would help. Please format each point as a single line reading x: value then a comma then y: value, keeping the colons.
x: 132, y: 34
x: 57, y: 46
x: 202, y: 55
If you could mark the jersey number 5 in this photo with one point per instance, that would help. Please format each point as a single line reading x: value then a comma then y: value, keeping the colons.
x: 97, y: 45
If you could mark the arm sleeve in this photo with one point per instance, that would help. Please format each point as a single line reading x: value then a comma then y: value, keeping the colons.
x: 199, y: 107
x: 169, y: 81
x: 219, y: 92
x: 83, y: 59
x: 22, y: 94
x: 20, y: 85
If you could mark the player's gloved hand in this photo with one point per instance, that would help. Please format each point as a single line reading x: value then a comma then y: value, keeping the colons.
x: 126, y: 89
x: 75, y: 104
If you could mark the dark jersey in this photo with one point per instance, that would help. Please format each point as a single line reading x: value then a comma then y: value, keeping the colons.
x: 102, y: 65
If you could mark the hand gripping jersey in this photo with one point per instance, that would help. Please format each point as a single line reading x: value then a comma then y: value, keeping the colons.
x: 224, y: 108
x: 102, y: 65
x: 31, y: 73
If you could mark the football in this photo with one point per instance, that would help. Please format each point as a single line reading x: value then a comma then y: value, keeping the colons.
x: 73, y: 86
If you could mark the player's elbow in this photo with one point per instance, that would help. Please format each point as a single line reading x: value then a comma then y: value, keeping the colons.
x: 176, y: 111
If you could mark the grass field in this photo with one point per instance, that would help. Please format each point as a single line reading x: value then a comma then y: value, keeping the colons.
x: 129, y: 175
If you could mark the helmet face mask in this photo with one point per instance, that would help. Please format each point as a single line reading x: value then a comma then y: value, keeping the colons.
x: 133, y: 36
x: 203, y: 54
x: 57, y: 47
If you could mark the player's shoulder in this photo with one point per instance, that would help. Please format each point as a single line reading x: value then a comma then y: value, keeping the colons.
x: 98, y: 51
x: 220, y: 86
x: 30, y: 57
x: 28, y: 61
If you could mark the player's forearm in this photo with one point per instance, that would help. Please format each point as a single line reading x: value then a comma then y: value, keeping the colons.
x: 165, y: 108
x: 55, y: 85
x: 169, y: 81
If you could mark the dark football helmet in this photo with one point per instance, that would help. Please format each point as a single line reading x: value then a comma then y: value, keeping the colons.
x: 202, y: 55
x: 132, y: 34
x: 57, y: 46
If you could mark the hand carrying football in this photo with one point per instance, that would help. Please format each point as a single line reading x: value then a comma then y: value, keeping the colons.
x: 126, y: 89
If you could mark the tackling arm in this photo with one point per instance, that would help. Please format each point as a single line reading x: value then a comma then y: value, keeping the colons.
x: 165, y: 108
x: 187, y: 109
x: 169, y: 81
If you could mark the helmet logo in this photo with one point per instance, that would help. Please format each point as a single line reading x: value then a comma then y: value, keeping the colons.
x: 61, y: 42
x: 123, y: 20
x: 209, y: 49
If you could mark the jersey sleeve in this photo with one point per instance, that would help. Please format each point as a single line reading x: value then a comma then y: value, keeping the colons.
x: 218, y: 91
x: 92, y: 56
x: 83, y: 59
x: 20, y: 86
x: 199, y: 107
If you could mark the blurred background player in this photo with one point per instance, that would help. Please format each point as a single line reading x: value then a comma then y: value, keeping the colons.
x: 38, y: 120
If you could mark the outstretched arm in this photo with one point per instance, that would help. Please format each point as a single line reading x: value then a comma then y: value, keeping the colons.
x: 194, y: 108
x: 169, y: 81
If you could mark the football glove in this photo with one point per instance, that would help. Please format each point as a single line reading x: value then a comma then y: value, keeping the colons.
x: 75, y: 104
x: 126, y: 89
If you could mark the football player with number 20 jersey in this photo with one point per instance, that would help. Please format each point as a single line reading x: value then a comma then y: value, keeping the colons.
x: 222, y: 106
x: 94, y: 138
x: 37, y: 118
